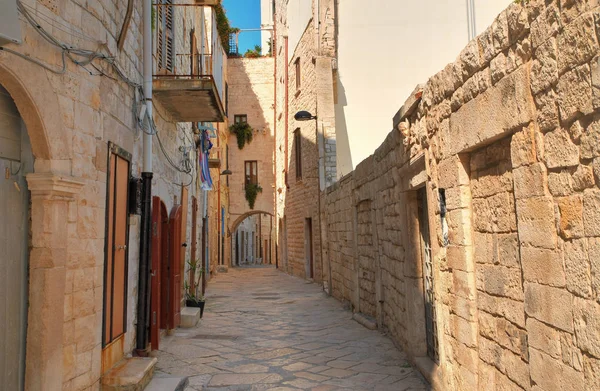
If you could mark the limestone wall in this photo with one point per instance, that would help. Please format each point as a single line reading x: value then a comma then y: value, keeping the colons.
x: 503, y: 142
x: 251, y: 94
x: 71, y: 118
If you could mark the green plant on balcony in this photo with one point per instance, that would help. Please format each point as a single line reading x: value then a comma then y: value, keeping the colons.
x: 243, y: 133
x: 223, y: 26
x: 252, y: 190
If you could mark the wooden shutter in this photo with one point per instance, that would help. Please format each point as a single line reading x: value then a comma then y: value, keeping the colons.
x: 169, y: 37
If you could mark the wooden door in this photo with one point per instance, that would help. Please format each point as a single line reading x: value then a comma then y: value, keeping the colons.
x: 115, y: 267
x: 175, y: 244
x: 16, y: 160
x: 183, y: 248
x: 193, y: 276
x: 160, y: 223
x: 164, y: 268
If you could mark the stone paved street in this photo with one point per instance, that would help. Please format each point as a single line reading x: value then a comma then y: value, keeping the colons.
x: 264, y: 330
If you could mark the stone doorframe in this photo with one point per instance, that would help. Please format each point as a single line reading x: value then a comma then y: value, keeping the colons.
x: 50, y: 195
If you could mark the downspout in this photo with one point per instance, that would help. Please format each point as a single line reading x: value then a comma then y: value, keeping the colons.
x: 219, y: 260
x: 274, y: 53
x: 145, y: 255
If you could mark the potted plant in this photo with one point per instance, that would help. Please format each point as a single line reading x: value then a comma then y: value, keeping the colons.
x: 192, y: 298
x: 243, y: 133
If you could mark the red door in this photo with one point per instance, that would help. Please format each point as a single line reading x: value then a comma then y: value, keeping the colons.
x: 175, y: 243
x: 159, y: 230
x: 164, y: 268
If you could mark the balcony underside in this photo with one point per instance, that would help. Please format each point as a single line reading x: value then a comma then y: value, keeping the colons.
x: 189, y: 100
x: 207, y: 2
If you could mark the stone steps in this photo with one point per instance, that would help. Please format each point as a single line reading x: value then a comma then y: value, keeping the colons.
x: 130, y: 374
x: 165, y: 382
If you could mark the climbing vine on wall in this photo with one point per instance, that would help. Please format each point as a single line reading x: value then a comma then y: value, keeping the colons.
x: 243, y: 133
x: 252, y: 191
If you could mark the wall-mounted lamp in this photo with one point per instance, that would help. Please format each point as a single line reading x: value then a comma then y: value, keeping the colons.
x: 304, y: 116
x: 226, y: 172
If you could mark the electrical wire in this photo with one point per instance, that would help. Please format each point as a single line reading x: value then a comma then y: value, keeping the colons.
x: 83, y: 58
x: 33, y: 60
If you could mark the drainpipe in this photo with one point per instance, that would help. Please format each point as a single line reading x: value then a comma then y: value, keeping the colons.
x: 145, y: 256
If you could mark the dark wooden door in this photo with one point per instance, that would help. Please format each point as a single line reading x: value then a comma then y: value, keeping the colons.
x: 160, y: 222
x: 175, y: 243
x: 194, y: 276
x: 164, y: 268
x: 115, y: 271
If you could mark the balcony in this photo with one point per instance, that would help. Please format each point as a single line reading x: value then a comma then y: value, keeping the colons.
x: 207, y: 2
x: 194, y: 97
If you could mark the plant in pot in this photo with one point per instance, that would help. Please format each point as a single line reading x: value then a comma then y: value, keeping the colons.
x: 243, y: 133
x: 192, y: 298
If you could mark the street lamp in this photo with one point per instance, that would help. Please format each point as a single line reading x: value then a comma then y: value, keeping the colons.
x: 304, y: 116
x: 226, y: 172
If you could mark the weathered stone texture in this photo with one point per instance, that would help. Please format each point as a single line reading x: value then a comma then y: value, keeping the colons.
x: 510, y: 133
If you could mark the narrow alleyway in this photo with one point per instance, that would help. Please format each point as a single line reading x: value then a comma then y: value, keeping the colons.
x: 264, y: 330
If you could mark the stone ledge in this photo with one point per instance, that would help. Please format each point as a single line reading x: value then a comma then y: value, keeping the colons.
x: 164, y: 382
x: 131, y: 374
x: 190, y: 317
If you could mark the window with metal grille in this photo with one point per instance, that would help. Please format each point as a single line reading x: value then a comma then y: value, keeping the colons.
x: 428, y: 281
x: 298, y: 152
x: 250, y: 172
x: 166, y: 35
x: 240, y: 118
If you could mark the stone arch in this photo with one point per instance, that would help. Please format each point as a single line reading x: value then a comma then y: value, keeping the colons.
x: 243, y: 217
x: 38, y: 105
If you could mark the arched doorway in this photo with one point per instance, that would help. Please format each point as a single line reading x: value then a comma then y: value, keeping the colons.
x: 16, y: 161
x: 50, y: 189
x: 252, y: 239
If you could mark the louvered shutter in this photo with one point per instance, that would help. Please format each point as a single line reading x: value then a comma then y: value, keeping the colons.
x: 170, y: 37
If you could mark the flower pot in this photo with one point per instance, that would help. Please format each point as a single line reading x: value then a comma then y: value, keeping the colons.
x: 196, y: 304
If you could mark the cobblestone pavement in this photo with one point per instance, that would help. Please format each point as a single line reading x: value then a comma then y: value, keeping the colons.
x: 265, y: 330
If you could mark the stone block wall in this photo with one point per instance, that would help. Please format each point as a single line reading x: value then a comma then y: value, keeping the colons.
x: 251, y: 93
x: 504, y: 143
x: 71, y: 117
x: 297, y: 199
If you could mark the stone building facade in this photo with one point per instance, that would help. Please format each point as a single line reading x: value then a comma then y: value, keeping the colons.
x: 305, y: 152
x: 78, y: 115
x: 251, y: 99
x: 470, y: 234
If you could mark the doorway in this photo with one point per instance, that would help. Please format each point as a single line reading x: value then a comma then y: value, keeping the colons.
x: 115, y: 255
x: 175, y: 252
x: 159, y: 271
x: 16, y: 161
x: 308, y: 248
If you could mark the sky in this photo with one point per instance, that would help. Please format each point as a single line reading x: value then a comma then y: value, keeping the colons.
x: 245, y: 14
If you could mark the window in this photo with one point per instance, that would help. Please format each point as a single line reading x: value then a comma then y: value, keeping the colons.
x: 166, y: 36
x: 298, y: 150
x: 240, y: 118
x: 251, y: 172
x: 298, y: 78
